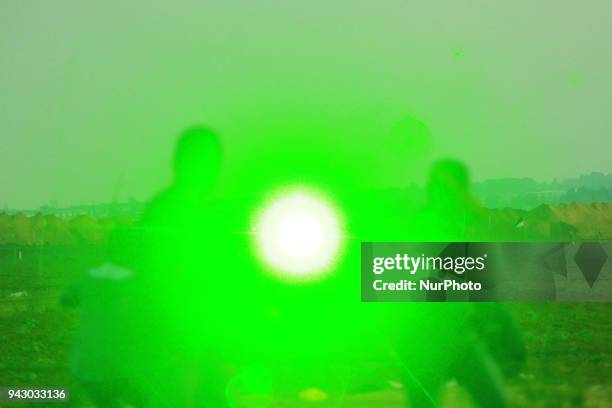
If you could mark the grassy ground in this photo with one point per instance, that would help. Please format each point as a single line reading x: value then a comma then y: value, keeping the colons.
x: 570, y: 360
x: 569, y: 346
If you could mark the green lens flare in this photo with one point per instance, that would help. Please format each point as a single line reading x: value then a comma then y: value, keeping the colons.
x: 298, y: 234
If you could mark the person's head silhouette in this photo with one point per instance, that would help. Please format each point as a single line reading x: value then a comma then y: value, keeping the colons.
x: 197, y: 160
x: 449, y: 185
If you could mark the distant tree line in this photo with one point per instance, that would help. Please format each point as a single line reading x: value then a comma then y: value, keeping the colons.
x: 526, y: 193
x: 52, y: 230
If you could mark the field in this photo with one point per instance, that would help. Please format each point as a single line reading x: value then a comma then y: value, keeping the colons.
x: 569, y: 344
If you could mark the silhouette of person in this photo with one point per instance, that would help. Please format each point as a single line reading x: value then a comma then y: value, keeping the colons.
x: 184, y: 252
x: 475, y: 343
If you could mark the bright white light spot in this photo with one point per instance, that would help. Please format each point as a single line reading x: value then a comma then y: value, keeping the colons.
x: 298, y: 235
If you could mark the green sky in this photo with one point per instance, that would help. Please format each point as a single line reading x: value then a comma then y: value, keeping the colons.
x: 92, y: 96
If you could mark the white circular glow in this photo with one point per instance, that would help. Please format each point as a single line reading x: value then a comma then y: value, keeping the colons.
x: 298, y: 235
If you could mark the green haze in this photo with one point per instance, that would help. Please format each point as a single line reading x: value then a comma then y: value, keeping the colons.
x: 93, y: 96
